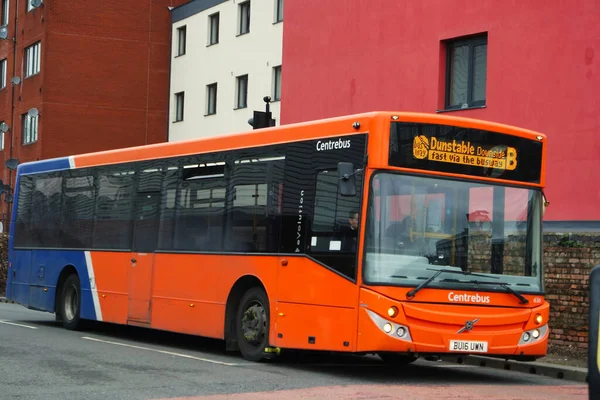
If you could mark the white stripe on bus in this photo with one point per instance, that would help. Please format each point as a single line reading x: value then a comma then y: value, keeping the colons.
x: 94, y: 290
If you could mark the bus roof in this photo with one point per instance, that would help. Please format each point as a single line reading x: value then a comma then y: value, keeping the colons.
x: 252, y: 138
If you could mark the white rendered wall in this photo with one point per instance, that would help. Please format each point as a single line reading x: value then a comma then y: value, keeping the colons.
x: 254, y: 53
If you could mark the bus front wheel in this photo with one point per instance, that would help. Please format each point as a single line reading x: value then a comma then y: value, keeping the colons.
x: 70, y: 303
x: 252, y: 324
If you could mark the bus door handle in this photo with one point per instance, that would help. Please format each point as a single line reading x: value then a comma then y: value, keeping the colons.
x: 133, y: 260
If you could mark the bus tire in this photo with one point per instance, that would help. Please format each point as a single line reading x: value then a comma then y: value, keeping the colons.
x: 252, y: 324
x: 397, y: 359
x: 70, y: 303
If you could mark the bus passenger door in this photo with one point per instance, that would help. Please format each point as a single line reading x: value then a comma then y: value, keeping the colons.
x: 145, y: 235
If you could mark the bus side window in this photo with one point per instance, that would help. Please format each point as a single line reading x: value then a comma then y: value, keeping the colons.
x: 46, y: 207
x: 334, y: 232
x: 78, y: 212
x: 24, y: 235
x: 199, y: 215
x: 113, y: 216
x: 254, y: 216
x: 193, y: 207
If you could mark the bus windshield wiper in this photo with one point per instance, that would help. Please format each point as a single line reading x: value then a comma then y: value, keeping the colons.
x: 410, y: 295
x: 510, y: 290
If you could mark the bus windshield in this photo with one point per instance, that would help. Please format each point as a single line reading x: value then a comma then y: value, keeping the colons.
x: 417, y: 225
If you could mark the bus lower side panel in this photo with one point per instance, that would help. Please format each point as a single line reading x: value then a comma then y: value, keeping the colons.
x: 34, y: 277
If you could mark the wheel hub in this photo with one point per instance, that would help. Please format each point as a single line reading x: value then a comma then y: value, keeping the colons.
x: 254, y: 323
x: 71, y: 302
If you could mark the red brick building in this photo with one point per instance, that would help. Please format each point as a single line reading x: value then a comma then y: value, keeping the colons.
x: 534, y: 64
x: 97, y: 72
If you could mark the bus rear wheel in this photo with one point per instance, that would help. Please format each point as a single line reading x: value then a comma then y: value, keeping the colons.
x: 252, y: 324
x: 397, y: 359
x: 70, y: 303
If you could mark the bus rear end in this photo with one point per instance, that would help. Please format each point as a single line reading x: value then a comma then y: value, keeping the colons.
x: 452, y: 244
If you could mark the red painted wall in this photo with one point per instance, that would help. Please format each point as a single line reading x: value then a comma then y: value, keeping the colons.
x: 343, y: 57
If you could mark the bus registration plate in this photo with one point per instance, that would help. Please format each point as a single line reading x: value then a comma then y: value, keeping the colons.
x: 468, y: 346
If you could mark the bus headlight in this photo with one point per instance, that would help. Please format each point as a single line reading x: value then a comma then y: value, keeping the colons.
x: 401, y: 332
x: 387, y: 328
x: 393, y: 329
x: 533, y: 335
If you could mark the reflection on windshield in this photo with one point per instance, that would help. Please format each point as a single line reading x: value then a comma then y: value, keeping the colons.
x: 417, y: 225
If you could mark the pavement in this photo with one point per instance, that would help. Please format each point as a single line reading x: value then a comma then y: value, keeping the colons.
x: 380, y: 392
x: 558, y: 371
x: 4, y: 300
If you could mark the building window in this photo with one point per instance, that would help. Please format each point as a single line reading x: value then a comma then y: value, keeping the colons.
x: 30, y: 5
x: 30, y: 129
x: 1, y: 138
x: 4, y: 21
x: 179, y: 97
x: 32, y: 59
x: 242, y: 92
x: 181, y: 34
x: 244, y: 18
x: 213, y: 33
x: 277, y: 83
x: 466, y: 70
x: 278, y: 10
x: 3, y: 65
x: 211, y: 99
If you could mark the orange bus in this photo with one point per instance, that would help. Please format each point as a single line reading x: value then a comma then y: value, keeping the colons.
x: 399, y: 234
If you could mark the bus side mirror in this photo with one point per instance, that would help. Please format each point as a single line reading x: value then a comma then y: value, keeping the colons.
x: 346, y: 180
x: 545, y: 203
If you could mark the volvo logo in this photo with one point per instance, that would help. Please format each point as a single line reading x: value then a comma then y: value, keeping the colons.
x: 468, y: 326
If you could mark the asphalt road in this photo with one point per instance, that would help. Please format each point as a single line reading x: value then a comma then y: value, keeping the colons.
x: 41, y: 360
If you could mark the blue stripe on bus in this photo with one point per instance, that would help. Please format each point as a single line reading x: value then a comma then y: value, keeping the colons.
x: 55, y: 164
x: 37, y: 270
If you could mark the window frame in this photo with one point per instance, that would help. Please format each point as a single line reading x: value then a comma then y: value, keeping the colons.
x: 210, y: 99
x: 278, y: 11
x: 277, y: 83
x: 27, y: 129
x: 241, y: 89
x: 2, y: 137
x: 244, y: 10
x: 181, y: 40
x: 179, y: 106
x: 4, y: 9
x: 3, y: 72
x: 471, y: 42
x: 214, y: 25
x: 31, y: 51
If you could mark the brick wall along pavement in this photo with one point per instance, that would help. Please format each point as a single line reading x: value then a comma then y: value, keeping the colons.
x: 568, y: 261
